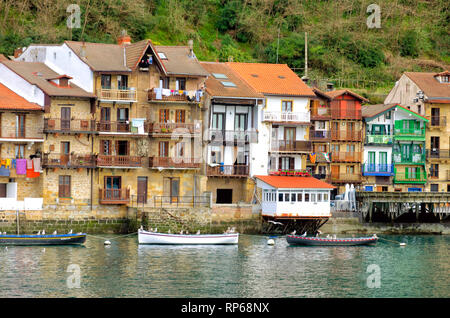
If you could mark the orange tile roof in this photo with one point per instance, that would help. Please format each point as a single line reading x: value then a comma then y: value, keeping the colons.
x: 12, y: 101
x: 339, y: 92
x: 272, y: 79
x: 288, y: 182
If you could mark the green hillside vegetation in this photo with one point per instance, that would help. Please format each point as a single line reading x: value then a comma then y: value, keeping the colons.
x: 414, y: 35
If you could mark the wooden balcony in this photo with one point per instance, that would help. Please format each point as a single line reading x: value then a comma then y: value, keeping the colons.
x: 346, y: 177
x: 287, y: 117
x: 173, y: 96
x: 346, y: 135
x: 319, y: 135
x: 228, y: 171
x: 165, y: 129
x: 28, y: 133
x: 56, y: 160
x: 437, y: 122
x: 291, y: 146
x: 119, y: 161
x: 114, y: 196
x: 117, y: 95
x: 342, y: 156
x: 75, y: 126
x: 175, y: 163
x: 232, y: 136
x: 121, y: 127
x: 320, y: 113
x: 345, y: 113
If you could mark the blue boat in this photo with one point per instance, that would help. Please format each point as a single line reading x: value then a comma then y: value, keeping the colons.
x: 48, y: 239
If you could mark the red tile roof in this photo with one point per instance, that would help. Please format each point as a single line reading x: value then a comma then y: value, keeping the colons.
x: 339, y: 92
x: 288, y: 182
x: 272, y: 79
x: 12, y: 101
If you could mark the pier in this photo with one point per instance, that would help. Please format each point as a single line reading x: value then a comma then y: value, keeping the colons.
x: 420, y: 207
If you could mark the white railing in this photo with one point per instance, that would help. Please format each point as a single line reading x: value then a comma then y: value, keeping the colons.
x: 287, y: 116
x: 28, y: 204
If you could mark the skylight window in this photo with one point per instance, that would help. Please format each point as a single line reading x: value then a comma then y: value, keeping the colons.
x: 162, y: 56
x: 219, y: 75
x: 255, y: 75
x: 228, y: 84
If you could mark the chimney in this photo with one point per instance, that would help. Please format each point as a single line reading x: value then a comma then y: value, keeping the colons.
x: 330, y: 87
x: 124, y: 38
x: 17, y: 52
x: 305, y: 79
x: 191, y: 48
x: 83, y: 51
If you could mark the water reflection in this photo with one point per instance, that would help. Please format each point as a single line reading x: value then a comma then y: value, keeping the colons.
x: 250, y: 269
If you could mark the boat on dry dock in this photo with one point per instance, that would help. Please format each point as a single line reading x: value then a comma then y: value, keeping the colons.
x: 147, y: 237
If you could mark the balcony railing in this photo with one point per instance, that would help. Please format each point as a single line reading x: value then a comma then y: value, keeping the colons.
x: 58, y: 125
x: 291, y: 146
x: 238, y: 136
x: 319, y: 135
x: 114, y: 196
x: 346, y: 177
x: 437, y: 121
x: 318, y: 113
x: 342, y: 156
x: 28, y: 132
x: 401, y: 158
x: 370, y: 169
x: 345, y: 113
x: 55, y: 160
x: 403, y: 177
x: 117, y: 94
x: 228, y: 171
x: 168, y: 95
x: 438, y: 154
x: 167, y: 162
x: 181, y: 201
x: 403, y: 133
x: 178, y: 128
x: 346, y: 135
x: 119, y: 161
x: 379, y: 139
x: 303, y: 117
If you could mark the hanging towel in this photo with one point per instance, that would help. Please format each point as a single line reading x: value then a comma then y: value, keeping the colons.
x: 4, y: 172
x: 37, y: 164
x: 3, y: 162
x: 8, y: 163
x: 166, y: 92
x: 31, y: 173
x: 158, y: 92
x: 13, y: 163
x: 21, y: 166
x: 29, y: 164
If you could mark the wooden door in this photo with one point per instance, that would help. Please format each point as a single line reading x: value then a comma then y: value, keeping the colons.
x: 335, y: 172
x: 20, y: 126
x: 65, y: 118
x: 142, y: 189
x: 289, y: 138
x: 105, y: 119
x: 65, y: 152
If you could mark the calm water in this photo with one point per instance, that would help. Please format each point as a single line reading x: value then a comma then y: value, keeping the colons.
x: 251, y: 269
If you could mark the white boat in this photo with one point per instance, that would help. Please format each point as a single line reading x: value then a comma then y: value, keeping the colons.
x: 146, y: 237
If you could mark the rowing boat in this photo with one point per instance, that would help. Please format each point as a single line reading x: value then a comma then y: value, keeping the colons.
x: 49, y: 239
x: 145, y: 237
x: 324, y: 241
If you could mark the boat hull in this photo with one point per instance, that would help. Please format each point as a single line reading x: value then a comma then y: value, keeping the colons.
x: 145, y: 237
x: 62, y: 239
x: 319, y: 241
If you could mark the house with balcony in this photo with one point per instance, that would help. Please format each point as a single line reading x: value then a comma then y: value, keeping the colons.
x: 347, y: 133
x: 232, y: 135
x: 377, y: 166
x: 428, y: 94
x: 285, y: 117
x: 52, y: 138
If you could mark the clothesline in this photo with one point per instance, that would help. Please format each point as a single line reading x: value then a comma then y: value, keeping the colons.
x: 29, y: 167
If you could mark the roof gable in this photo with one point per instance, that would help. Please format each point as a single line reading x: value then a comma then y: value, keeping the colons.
x: 288, y: 182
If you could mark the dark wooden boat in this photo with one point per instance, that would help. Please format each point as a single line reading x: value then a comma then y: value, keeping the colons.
x: 48, y: 239
x: 324, y: 241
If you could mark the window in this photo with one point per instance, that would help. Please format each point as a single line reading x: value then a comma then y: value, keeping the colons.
x: 293, y: 197
x: 216, y: 156
x: 320, y: 125
x: 219, y: 75
x: 286, y: 106
x: 122, y: 147
x: 64, y: 187
x: 434, y: 170
x: 307, y: 196
x: 350, y: 169
x: 179, y: 150
x: 105, y: 147
x: 122, y: 82
x: 163, y: 115
x: 280, y: 197
x: 172, y: 187
x: 218, y: 121
x: 240, y: 122
x: 20, y: 126
x: 434, y: 187
x: 106, y: 81
x: 180, y: 115
x: 162, y: 56
x: 180, y: 83
x: 313, y: 197
x: 228, y: 84
x: 164, y: 82
x: 388, y: 115
x: 163, y: 148
x: 299, y: 197
x: 325, y: 197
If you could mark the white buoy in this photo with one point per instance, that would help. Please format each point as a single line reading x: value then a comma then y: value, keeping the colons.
x: 107, y: 243
x: 270, y: 242
x: 402, y: 244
